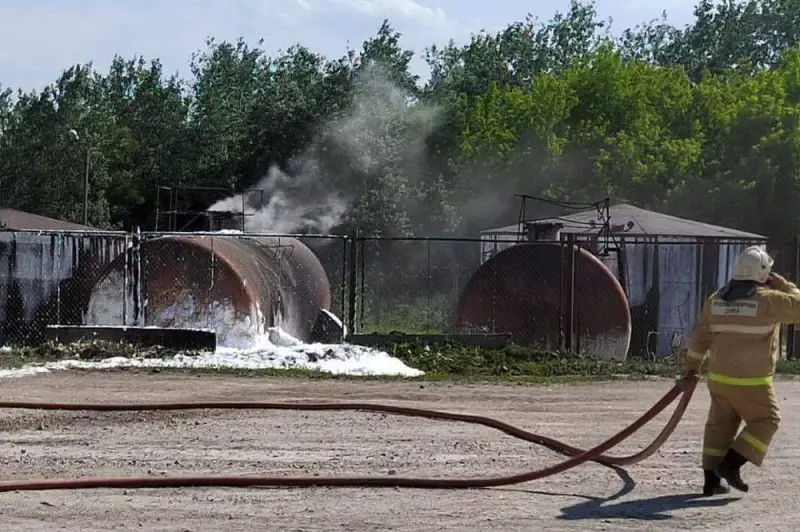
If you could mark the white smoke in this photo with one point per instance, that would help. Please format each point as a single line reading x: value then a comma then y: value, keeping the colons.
x: 381, y: 126
x: 288, y: 204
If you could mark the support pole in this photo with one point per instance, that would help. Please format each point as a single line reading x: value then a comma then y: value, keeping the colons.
x: 86, y: 189
x: 351, y: 288
x: 569, y: 322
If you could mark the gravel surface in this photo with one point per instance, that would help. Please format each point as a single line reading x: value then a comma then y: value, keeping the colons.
x: 660, y: 493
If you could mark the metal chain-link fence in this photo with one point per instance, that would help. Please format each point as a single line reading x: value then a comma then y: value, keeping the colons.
x: 540, y: 295
x: 520, y: 292
x: 538, y: 292
x: 666, y: 281
x: 46, y: 278
x: 412, y: 285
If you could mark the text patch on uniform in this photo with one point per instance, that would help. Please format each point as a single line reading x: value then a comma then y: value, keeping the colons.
x: 734, y: 308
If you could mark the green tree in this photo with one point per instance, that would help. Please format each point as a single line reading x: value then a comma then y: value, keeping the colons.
x: 151, y: 147
x: 751, y: 160
x: 227, y: 79
x: 44, y: 166
x: 515, y: 54
x: 700, y: 121
x: 747, y: 35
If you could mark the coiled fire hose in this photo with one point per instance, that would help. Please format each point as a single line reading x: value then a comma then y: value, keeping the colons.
x: 684, y: 388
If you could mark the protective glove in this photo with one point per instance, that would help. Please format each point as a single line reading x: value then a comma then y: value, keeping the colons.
x: 692, y: 366
x: 778, y: 282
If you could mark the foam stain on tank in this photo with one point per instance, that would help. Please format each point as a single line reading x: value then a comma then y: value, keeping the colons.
x: 233, y: 329
x: 105, y: 304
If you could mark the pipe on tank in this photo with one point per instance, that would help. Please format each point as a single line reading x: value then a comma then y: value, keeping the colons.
x: 237, y: 286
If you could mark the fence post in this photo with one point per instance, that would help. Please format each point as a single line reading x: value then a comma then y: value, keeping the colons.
x: 494, y: 296
x: 15, y: 315
x: 351, y: 292
x: 562, y: 294
x: 362, y: 293
x: 576, y: 297
x: 126, y: 253
x: 59, y: 243
x: 428, y: 291
x: 343, y: 285
x: 569, y: 322
x: 790, y: 330
x: 138, y: 312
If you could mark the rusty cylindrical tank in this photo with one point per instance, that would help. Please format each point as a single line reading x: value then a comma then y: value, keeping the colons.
x: 235, y: 285
x: 520, y: 291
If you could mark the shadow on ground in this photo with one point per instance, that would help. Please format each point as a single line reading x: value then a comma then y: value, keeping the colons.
x: 652, y: 509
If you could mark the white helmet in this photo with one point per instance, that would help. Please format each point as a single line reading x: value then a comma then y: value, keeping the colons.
x: 752, y: 264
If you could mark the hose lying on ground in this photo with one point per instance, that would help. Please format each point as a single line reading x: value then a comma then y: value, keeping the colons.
x: 578, y: 456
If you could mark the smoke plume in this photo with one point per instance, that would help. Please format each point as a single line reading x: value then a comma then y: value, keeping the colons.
x: 381, y: 131
x: 284, y: 203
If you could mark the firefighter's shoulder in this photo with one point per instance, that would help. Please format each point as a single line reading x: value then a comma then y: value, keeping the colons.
x: 780, y: 304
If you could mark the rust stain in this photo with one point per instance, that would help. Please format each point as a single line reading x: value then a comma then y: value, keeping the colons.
x: 282, y: 276
x: 519, y: 291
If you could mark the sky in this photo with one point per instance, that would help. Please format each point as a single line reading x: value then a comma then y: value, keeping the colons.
x: 41, y: 38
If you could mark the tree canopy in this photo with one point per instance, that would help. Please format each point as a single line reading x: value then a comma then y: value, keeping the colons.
x: 701, y: 121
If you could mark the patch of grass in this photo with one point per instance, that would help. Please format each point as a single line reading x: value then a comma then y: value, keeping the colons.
x: 788, y: 367
x: 520, y: 363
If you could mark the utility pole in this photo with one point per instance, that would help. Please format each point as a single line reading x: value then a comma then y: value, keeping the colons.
x: 74, y: 135
x: 86, y: 190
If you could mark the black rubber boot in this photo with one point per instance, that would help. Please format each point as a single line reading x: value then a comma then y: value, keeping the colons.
x: 729, y: 470
x: 713, y: 484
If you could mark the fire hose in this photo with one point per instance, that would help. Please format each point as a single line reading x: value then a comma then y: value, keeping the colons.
x: 683, y: 388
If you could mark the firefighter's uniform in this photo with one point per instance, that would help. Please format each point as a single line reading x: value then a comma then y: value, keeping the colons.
x: 738, y: 328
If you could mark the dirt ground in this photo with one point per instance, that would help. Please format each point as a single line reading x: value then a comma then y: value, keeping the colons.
x: 660, y: 493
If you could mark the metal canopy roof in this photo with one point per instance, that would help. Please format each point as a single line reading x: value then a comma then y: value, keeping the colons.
x: 631, y: 220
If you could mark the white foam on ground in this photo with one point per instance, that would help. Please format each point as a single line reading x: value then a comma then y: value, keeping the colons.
x: 277, y: 351
x: 22, y: 372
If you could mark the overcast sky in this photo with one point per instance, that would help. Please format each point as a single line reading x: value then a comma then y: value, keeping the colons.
x: 40, y: 38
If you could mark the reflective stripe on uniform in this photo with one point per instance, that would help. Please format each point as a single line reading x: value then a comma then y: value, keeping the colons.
x: 740, y: 381
x: 710, y: 451
x: 742, y: 329
x: 757, y: 444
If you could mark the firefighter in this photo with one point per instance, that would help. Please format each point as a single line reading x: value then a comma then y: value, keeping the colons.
x: 738, y: 327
